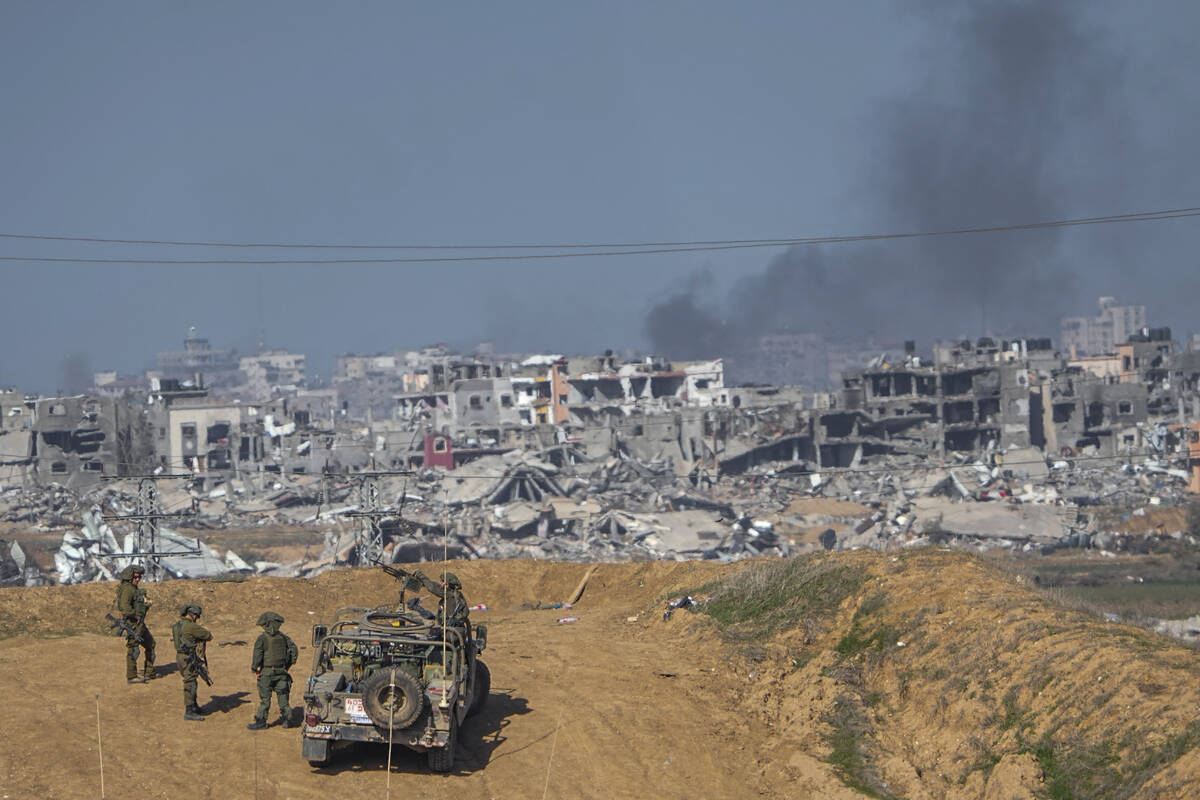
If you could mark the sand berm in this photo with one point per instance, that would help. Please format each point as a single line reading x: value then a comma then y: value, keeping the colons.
x: 916, y: 675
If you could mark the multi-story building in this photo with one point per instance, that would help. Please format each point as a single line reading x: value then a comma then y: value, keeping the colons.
x: 1100, y: 335
x: 199, y: 362
x: 273, y: 372
x: 74, y: 439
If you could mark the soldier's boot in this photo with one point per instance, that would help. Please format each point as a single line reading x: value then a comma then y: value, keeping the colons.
x: 192, y: 715
x: 135, y: 679
x: 258, y: 725
x: 195, y: 709
x: 285, y: 719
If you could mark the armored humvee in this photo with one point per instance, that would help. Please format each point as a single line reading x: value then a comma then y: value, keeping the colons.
x: 391, y: 675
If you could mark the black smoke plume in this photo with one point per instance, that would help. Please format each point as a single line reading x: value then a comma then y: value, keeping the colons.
x: 76, y: 373
x: 1009, y: 90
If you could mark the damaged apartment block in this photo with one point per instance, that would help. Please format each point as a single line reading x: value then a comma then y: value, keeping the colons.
x: 73, y: 440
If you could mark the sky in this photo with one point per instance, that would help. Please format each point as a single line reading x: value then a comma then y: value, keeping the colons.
x: 566, y: 123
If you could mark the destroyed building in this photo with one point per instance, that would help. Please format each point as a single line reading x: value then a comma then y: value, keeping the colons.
x: 961, y: 405
x: 200, y: 435
x: 73, y: 440
x: 271, y: 373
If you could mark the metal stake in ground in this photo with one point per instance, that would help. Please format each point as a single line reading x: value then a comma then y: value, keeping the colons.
x: 100, y: 746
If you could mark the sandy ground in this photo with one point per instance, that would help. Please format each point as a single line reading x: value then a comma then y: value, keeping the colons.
x: 607, y: 707
x: 598, y: 708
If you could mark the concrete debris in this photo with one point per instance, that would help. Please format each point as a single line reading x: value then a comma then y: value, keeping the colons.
x: 614, y: 498
x: 1186, y: 629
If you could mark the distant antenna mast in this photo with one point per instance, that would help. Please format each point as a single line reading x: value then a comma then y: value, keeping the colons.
x: 262, y: 325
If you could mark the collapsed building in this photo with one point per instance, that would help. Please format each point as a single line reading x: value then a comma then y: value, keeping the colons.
x: 988, y: 443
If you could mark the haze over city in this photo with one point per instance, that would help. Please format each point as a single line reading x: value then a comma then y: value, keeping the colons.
x: 547, y: 123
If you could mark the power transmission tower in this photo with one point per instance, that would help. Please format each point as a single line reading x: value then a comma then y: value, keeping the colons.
x: 368, y: 546
x: 147, y: 544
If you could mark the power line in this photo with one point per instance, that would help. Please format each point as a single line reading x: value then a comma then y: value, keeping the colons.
x: 602, y: 250
x: 690, y: 243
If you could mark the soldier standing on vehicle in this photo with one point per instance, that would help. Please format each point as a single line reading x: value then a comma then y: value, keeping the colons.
x: 192, y: 658
x: 274, y: 655
x: 133, y: 605
x: 452, y: 606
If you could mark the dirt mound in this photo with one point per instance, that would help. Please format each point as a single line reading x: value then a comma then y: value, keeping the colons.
x: 934, y: 676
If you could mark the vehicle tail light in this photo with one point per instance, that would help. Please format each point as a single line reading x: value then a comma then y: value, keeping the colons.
x: 312, y: 720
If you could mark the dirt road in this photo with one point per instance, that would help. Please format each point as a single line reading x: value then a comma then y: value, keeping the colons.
x: 601, y: 707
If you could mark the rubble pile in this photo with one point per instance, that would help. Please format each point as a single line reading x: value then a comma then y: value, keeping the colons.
x: 533, y: 505
x: 43, y: 507
x: 1019, y: 500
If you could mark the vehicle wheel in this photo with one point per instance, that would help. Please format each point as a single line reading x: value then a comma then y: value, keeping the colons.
x: 441, y: 759
x: 483, y: 686
x: 400, y: 705
x: 317, y: 752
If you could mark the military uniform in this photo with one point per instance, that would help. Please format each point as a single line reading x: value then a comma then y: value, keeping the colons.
x: 192, y: 637
x: 133, y: 606
x: 274, y: 654
x: 452, y: 606
x: 181, y: 656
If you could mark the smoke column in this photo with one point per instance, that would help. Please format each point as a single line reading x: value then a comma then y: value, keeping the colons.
x: 1008, y: 89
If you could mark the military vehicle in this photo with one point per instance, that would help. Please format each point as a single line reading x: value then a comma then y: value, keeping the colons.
x: 391, y: 675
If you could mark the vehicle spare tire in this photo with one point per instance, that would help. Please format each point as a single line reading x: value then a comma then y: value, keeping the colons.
x: 392, y: 696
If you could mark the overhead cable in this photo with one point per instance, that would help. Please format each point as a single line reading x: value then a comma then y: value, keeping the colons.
x: 563, y: 250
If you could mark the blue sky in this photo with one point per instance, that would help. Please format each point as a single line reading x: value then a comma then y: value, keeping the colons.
x: 485, y: 123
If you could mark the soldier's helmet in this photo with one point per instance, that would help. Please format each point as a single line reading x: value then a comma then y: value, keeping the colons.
x: 193, y: 609
x: 133, y: 569
x: 268, y: 617
x: 451, y: 580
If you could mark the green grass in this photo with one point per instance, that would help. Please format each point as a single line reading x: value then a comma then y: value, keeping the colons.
x: 1078, y: 772
x: 768, y: 597
x: 848, y: 742
x: 1153, y: 760
x: 1133, y: 601
x: 861, y: 638
x: 1013, y: 716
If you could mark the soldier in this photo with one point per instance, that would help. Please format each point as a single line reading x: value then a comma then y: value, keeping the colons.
x: 133, y: 605
x: 452, y: 606
x: 181, y: 657
x: 274, y: 655
x: 192, y: 637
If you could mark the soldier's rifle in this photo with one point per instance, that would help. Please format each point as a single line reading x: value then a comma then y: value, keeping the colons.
x: 411, y: 582
x: 120, y: 627
x: 199, y: 664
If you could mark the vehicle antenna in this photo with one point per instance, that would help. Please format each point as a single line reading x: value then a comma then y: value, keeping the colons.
x: 445, y: 566
x: 391, y: 734
x: 553, y: 743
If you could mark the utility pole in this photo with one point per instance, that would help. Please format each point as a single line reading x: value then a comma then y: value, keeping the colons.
x: 147, y: 516
x: 369, y: 543
x: 717, y: 421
